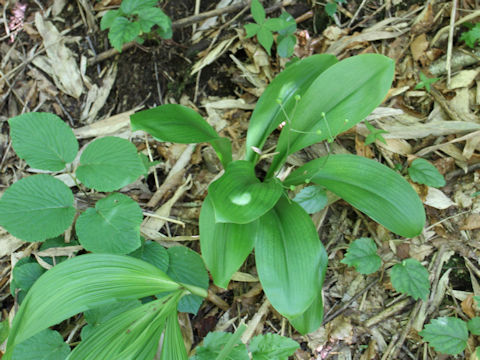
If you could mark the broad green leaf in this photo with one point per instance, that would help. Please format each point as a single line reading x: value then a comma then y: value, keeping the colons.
x: 173, y: 346
x: 36, y: 208
x: 25, y: 275
x: 362, y: 254
x: 290, y: 25
x: 43, y: 140
x: 132, y: 335
x: 177, y: 123
x: 96, y: 317
x: 45, y: 345
x: 193, y: 274
x: 285, y: 45
x: 447, y: 335
x: 272, y: 347
x: 109, y: 163
x: 338, y: 99
x: 280, y: 98
x: 108, y: 18
x: 122, y: 31
x: 251, y: 29
x: 153, y: 253
x: 258, y: 12
x: 411, y: 278
x: 56, y: 242
x: 474, y: 325
x: 215, y: 342
x: 265, y: 38
x: 312, y: 198
x: 113, y: 226
x: 423, y: 172
x: 80, y: 284
x: 240, y: 197
x: 224, y: 246
x: 132, y: 6
x: 147, y: 17
x: 289, y: 257
x: 372, y: 188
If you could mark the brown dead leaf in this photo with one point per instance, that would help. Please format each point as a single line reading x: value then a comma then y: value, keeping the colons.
x: 340, y: 328
x: 418, y: 47
x: 424, y: 21
x: 472, y: 222
x: 362, y: 149
x: 468, y: 306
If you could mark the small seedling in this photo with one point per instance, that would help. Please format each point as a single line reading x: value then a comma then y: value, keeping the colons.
x: 448, y: 335
x: 362, y: 253
x: 425, y: 82
x: 133, y: 20
x: 410, y: 277
x: 472, y: 36
x: 331, y: 7
x: 374, y: 135
x: 423, y: 172
x: 264, y: 28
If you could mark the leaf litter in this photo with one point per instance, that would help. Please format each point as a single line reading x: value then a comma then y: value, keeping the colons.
x: 59, y: 63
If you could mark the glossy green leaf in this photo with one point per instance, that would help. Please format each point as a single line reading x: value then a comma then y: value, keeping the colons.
x: 272, y: 347
x: 338, y: 99
x: 258, y: 12
x: 410, y: 277
x: 109, y: 163
x: 36, y: 208
x: 187, y: 267
x: 113, y: 226
x: 474, y: 325
x: 132, y: 6
x: 45, y: 345
x: 98, y: 316
x: 224, y: 246
x: 80, y: 284
x: 173, y: 346
x: 179, y: 124
x: 132, y: 335
x: 153, y: 253
x: 423, y: 172
x: 279, y: 98
x: 43, y: 140
x: 289, y: 257
x: 312, y: 198
x: 372, y: 188
x: 362, y: 253
x: 122, y: 31
x: 447, y: 335
x: 240, y: 197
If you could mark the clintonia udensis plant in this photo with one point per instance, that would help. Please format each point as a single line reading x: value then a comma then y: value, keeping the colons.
x: 316, y: 98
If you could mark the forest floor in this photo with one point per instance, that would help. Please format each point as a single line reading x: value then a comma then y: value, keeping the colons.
x: 211, y: 67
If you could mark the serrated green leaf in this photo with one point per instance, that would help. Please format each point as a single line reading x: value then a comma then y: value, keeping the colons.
x: 289, y: 257
x: 265, y: 38
x: 472, y: 36
x: 36, y: 208
x: 272, y: 347
x: 108, y: 18
x: 96, y: 317
x: 215, y: 342
x: 285, y: 45
x: 312, y: 198
x: 173, y: 346
x: 148, y: 17
x: 43, y: 140
x: 122, y: 31
x: 280, y: 98
x: 225, y: 246
x: 447, y: 335
x: 193, y: 274
x: 474, y: 325
x: 251, y: 29
x: 423, y: 172
x: 112, y: 227
x: 239, y: 197
x: 328, y: 107
x: 258, y: 12
x: 372, y: 188
x: 177, y: 123
x: 133, y: 334
x: 362, y: 253
x: 132, y: 6
x: 80, y: 284
x: 411, y: 278
x: 109, y: 163
x: 153, y: 253
x: 331, y: 8
x: 45, y: 345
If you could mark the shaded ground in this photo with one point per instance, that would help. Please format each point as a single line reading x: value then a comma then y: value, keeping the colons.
x: 364, y: 317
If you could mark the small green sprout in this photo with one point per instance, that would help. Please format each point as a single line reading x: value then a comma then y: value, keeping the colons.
x: 425, y: 82
x: 374, y: 135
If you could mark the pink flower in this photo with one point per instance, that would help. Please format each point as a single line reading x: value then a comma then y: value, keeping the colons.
x: 17, y: 19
